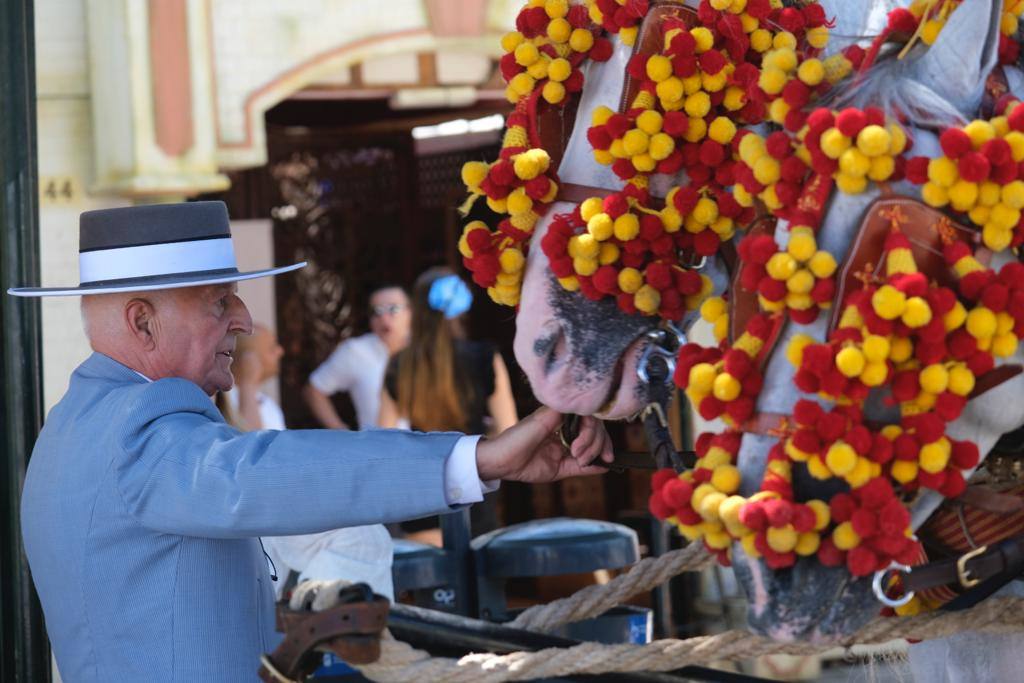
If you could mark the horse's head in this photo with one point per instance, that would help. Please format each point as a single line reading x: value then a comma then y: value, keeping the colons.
x: 809, y: 601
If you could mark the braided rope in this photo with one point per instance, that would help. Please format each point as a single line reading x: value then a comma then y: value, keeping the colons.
x: 400, y: 662
x: 594, y: 600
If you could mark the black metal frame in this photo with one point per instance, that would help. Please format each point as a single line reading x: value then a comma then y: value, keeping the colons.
x: 25, y: 653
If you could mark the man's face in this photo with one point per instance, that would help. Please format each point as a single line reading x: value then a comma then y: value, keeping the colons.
x: 195, y: 333
x: 390, y: 317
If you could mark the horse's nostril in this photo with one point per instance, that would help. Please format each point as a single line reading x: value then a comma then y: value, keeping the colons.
x: 550, y: 347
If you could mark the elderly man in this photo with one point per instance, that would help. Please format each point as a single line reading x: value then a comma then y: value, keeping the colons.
x: 142, y: 507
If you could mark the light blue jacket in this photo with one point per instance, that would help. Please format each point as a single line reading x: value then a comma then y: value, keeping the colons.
x: 141, y: 509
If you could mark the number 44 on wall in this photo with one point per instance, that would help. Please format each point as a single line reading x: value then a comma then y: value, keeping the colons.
x: 59, y: 190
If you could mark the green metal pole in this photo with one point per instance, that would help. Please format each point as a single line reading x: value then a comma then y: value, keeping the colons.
x: 24, y: 655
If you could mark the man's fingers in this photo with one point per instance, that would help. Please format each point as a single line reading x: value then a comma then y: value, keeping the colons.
x: 593, y: 442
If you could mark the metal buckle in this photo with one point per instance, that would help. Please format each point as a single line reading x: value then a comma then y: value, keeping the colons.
x: 664, y: 342
x: 879, y: 589
x: 962, y: 573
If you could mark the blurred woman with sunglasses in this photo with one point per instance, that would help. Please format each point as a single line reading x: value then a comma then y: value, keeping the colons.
x: 444, y: 382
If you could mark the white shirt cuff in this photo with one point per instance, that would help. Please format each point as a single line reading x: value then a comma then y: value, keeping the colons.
x: 462, y: 483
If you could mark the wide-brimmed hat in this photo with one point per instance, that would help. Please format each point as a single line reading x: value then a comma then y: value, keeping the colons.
x: 162, y: 246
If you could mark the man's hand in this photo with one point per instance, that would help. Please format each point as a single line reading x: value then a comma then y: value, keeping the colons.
x: 531, y: 451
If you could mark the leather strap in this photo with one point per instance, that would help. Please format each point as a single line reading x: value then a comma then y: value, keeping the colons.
x: 970, y: 569
x: 988, y: 499
x: 352, y: 631
x: 993, y: 378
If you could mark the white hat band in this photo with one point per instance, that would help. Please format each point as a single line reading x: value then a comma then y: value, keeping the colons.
x: 157, y: 259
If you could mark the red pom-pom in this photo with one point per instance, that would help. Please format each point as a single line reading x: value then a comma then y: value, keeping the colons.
x: 772, y: 290
x: 737, y: 363
x: 793, y: 169
x: 606, y: 280
x: 962, y: 345
x: 778, y: 512
x: 807, y: 382
x: 1016, y: 118
x: 791, y: 19
x: 980, y: 363
x: 954, y: 142
x: 753, y: 517
x: 831, y: 426
x: 997, y: 151
x: 905, y: 385
x: 712, y: 61
x: 829, y: 555
x: 965, y: 455
x: 661, y: 477
x: 954, y: 485
x: 820, y: 120
x: 860, y: 561
x: 881, y: 449
x: 686, y: 199
x: 949, y: 406
x: 974, y: 167
x: 902, y: 20
x: 807, y: 413
x: 677, y: 492
x: 778, y: 145
x: 658, y: 507
x: 860, y: 439
x: 931, y: 481
x: 761, y: 248
x: 864, y: 523
x: 917, y: 170
x: 675, y: 123
x: 601, y: 50
x: 851, y: 121
x: 842, y: 507
x: 711, y: 153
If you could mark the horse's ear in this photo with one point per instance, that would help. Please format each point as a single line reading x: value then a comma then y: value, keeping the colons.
x: 958, y: 63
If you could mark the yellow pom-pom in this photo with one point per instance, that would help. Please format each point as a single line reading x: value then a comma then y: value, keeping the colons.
x: 696, y: 129
x: 876, y: 348
x: 874, y: 374
x: 752, y: 148
x: 873, y: 140
x: 609, y: 253
x: 735, y: 98
x: 591, y: 207
x: 845, y: 537
x: 581, y: 40
x: 882, y: 168
x: 817, y: 468
x: 801, y: 245
x: 943, y: 172
x: 904, y: 471
x: 772, y: 81
x: 807, y: 544
x: 800, y: 282
x: 854, y: 162
x: 961, y: 380
x: 706, y: 211
x: 1004, y: 322
x: 981, y: 323
x: 811, y: 72
x: 860, y: 474
x: 888, y: 302
x: 510, y: 41
x: 979, y: 132
x: 722, y: 130
x: 934, y: 195
x: 781, y: 266
x: 497, y: 205
x: 934, y: 379
x: 628, y: 35
x: 901, y: 351
x: 841, y: 458
x: 709, y: 505
x: 635, y: 142
x: 1004, y: 345
x: 1004, y: 216
x: 650, y: 122
x: 834, y: 143
x: 626, y: 227
x: 795, y: 348
x: 522, y: 84
x: 989, y: 193
x: 934, y: 456
x: 817, y: 37
x: 963, y: 195
x: 584, y: 246
x: 585, y: 266
x: 512, y: 260
x: 782, y: 540
x: 761, y: 40
x: 647, y: 300
x: 474, y: 173
x: 556, y: 9
x: 1016, y: 141
x: 714, y: 83
x: 704, y: 38
x: 726, y: 387
x: 531, y: 163
x: 713, y: 308
x: 670, y: 90
x: 850, y: 362
x: 526, y: 54
x: 767, y: 170
x: 553, y: 92
x: 659, y: 68
x: 559, y: 30
x: 697, y: 105
x: 630, y: 280
x: 917, y: 313
x: 559, y: 69
x: 726, y: 478
x: 851, y: 184
x: 996, y: 238
x: 601, y: 115
x: 661, y: 146
x: 822, y: 513
x: 1012, y: 194
x: 600, y: 227
x: 822, y: 264
x: 518, y: 202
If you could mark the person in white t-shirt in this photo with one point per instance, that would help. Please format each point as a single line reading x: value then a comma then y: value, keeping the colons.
x: 357, y: 365
x: 361, y: 553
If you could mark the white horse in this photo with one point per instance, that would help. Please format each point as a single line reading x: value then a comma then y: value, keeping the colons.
x: 581, y: 356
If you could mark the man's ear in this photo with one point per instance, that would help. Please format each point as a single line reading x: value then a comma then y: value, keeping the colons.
x: 140, y: 319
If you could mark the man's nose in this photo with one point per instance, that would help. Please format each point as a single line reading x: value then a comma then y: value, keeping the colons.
x: 241, y: 320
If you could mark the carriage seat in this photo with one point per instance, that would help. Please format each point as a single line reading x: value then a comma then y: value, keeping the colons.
x: 418, y: 565
x: 546, y: 547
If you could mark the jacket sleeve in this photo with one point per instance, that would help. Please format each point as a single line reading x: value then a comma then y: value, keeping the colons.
x: 181, y: 469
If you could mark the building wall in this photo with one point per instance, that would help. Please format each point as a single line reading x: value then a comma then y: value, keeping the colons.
x: 66, y: 171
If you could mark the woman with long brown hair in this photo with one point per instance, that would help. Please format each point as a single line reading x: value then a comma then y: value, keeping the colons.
x: 443, y: 381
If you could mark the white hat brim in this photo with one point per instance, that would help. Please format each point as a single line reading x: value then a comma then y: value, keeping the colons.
x: 170, y: 282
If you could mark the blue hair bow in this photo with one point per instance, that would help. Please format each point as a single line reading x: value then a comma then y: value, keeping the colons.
x: 450, y: 295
